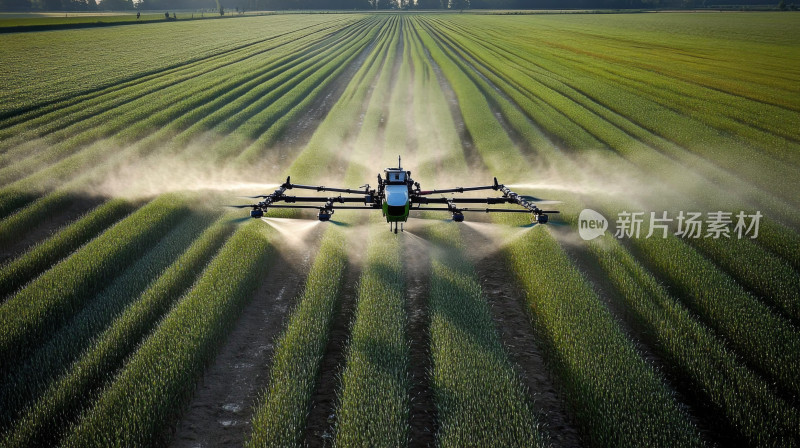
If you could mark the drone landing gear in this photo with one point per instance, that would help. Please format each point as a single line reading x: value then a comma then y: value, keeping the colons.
x: 394, y: 228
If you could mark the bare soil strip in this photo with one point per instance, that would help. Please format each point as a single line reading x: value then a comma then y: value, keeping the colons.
x: 220, y: 412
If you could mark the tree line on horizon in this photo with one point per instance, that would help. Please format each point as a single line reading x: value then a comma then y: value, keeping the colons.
x: 268, y: 5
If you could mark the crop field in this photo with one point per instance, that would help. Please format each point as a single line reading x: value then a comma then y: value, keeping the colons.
x: 137, y: 310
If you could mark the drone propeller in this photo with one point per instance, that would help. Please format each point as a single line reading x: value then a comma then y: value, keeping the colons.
x: 241, y: 206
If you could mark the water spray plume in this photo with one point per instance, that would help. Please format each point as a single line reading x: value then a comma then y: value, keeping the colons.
x: 416, y: 239
x: 158, y: 175
x: 499, y: 234
x: 295, y: 232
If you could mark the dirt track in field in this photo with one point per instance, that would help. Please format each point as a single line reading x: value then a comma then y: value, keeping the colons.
x: 321, y: 418
x: 423, y: 410
x: 220, y: 412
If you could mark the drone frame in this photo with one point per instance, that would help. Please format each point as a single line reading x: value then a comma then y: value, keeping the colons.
x: 376, y: 198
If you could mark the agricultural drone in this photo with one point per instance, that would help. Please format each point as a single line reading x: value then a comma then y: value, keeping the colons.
x: 396, y: 196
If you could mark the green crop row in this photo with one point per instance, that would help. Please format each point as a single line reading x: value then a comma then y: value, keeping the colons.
x: 303, y: 95
x: 373, y: 119
x: 374, y: 398
x: 47, y: 419
x: 43, y: 255
x: 58, y: 294
x: 478, y: 395
x: 566, y: 119
x: 279, y: 419
x: 16, y: 197
x: 434, y: 125
x: 265, y: 104
x: 771, y: 277
x: 224, y: 114
x: 475, y: 110
x: 725, y: 102
x: 149, y: 393
x: 625, y: 110
x: 774, y: 281
x: 20, y: 208
x: 373, y: 401
x: 398, y: 128
x: 139, y: 118
x: 21, y: 193
x: 338, y: 125
x: 551, y: 119
x: 606, y: 83
x: 65, y: 344
x: 479, y: 398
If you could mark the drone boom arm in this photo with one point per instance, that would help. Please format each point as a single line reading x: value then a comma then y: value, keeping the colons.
x: 323, y: 188
x: 457, y: 190
x: 490, y: 201
x: 495, y: 186
x: 339, y: 199
x: 484, y: 210
x: 317, y: 207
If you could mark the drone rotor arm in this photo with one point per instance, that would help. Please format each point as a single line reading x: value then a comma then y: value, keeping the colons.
x: 457, y: 190
x: 339, y: 199
x: 324, y: 188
